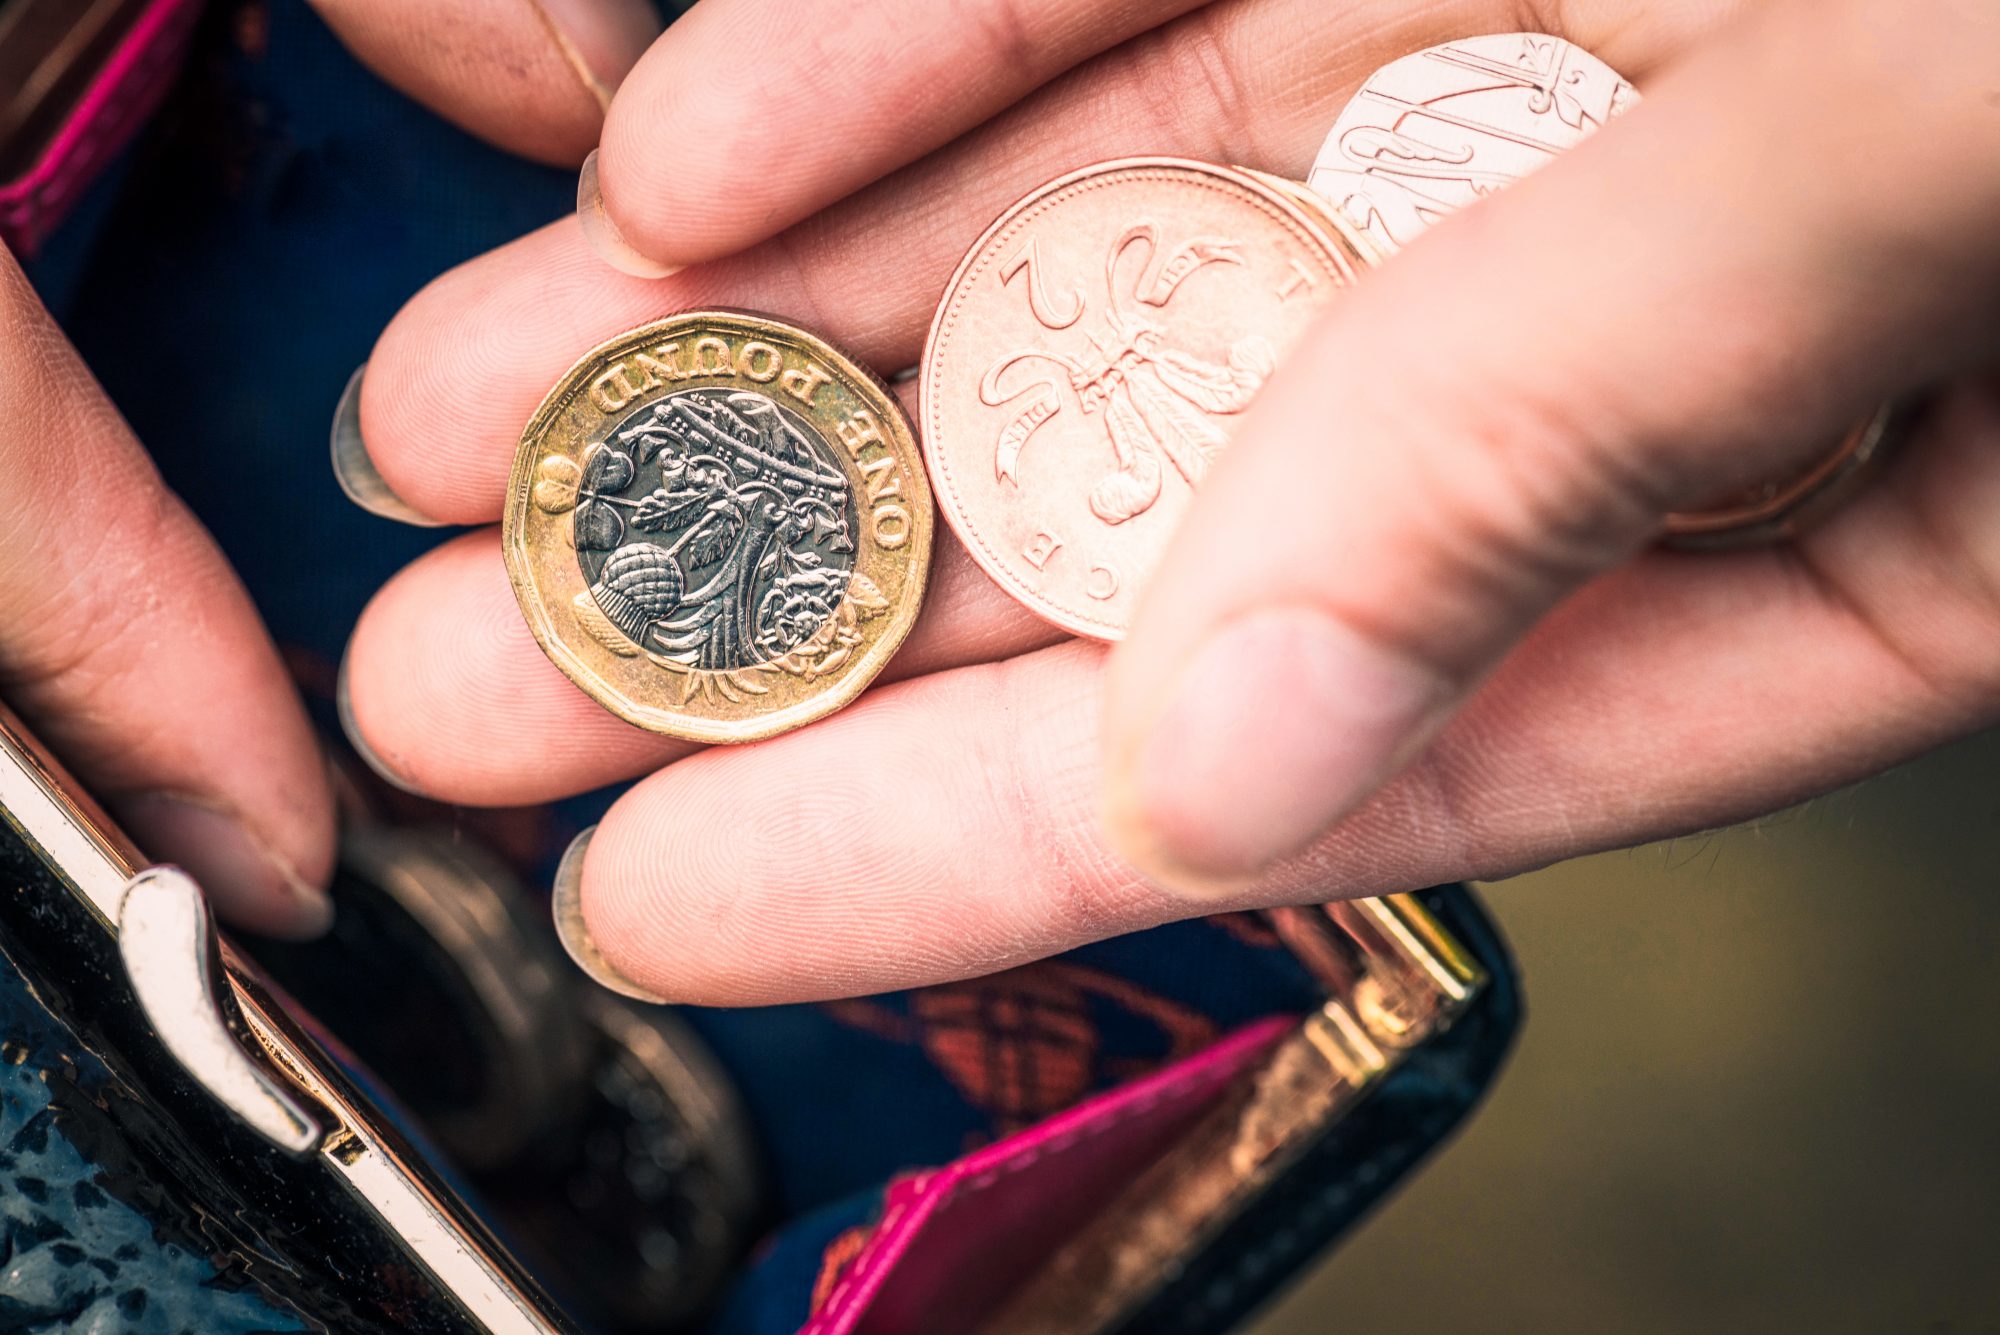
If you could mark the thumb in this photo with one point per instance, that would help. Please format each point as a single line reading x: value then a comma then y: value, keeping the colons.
x: 1511, y: 407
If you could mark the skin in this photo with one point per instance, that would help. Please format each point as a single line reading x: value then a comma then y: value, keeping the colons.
x: 130, y: 650
x: 1454, y: 650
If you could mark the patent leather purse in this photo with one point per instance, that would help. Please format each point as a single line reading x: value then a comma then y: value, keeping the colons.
x: 181, y: 1138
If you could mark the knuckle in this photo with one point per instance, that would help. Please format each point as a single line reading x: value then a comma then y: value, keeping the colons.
x: 1005, y: 33
x: 1549, y: 16
x: 1042, y: 769
x: 1527, y: 487
x: 1191, y: 84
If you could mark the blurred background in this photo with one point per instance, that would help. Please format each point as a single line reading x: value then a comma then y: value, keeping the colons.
x: 1756, y: 1091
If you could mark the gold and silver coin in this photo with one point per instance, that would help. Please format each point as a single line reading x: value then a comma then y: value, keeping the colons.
x: 718, y: 526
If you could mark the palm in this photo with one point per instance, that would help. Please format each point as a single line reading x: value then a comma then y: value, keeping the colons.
x: 1642, y: 706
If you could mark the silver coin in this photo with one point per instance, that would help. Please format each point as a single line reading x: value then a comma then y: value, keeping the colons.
x: 1435, y: 131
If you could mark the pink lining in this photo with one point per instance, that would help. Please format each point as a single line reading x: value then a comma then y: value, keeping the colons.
x: 118, y: 100
x: 929, y: 1262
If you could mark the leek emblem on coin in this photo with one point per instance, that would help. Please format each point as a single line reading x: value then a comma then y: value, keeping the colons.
x: 718, y: 526
x: 1089, y: 355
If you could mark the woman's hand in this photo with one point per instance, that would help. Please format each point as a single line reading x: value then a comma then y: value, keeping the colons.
x: 1413, y: 629
x: 130, y: 649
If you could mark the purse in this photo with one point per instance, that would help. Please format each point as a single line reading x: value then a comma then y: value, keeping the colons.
x: 523, y: 1152
x: 428, y: 1120
x: 77, y: 79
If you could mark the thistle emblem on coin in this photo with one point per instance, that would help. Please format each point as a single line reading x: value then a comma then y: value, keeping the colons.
x: 719, y: 526
x: 1153, y: 400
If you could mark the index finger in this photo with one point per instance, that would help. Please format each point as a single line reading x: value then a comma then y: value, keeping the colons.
x: 795, y: 107
x: 533, y: 76
x: 129, y: 646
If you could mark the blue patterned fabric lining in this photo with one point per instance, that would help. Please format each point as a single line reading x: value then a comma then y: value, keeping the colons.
x: 80, y: 1249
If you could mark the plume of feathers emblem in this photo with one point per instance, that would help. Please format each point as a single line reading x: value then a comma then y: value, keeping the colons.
x: 1156, y: 403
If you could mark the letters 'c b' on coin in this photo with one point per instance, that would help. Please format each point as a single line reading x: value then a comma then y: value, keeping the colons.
x: 718, y: 526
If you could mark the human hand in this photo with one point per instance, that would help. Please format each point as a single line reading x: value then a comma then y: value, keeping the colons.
x: 1451, y: 650
x: 533, y: 76
x: 128, y: 646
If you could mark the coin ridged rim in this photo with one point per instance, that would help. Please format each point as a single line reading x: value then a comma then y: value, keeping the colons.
x: 1791, y: 506
x: 1322, y: 230
x: 672, y: 723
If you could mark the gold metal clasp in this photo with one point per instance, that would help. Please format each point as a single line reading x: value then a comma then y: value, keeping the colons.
x: 1386, y: 961
x: 1394, y: 978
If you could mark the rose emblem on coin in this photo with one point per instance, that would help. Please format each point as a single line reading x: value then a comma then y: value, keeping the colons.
x: 730, y: 485
x: 719, y: 526
x: 1089, y: 356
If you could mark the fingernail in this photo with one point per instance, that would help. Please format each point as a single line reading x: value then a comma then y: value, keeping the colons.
x: 599, y: 40
x: 1281, y: 723
x: 248, y: 883
x: 356, y: 472
x: 603, y: 235
x: 343, y: 705
x: 567, y: 904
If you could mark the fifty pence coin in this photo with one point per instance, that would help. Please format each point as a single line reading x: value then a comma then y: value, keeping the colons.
x: 1431, y: 133
x: 1089, y: 356
x: 718, y: 526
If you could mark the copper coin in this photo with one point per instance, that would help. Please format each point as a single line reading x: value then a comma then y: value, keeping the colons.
x: 1780, y: 508
x: 1089, y: 357
x: 1315, y: 204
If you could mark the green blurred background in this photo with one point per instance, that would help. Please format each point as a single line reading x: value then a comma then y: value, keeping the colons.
x: 1756, y: 1091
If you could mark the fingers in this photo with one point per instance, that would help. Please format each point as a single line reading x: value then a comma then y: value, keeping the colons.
x: 131, y: 651
x: 448, y: 694
x: 799, y: 108
x: 444, y: 643
x: 488, y: 339
x: 532, y: 76
x: 947, y: 826
x: 892, y: 81
x: 1510, y: 408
